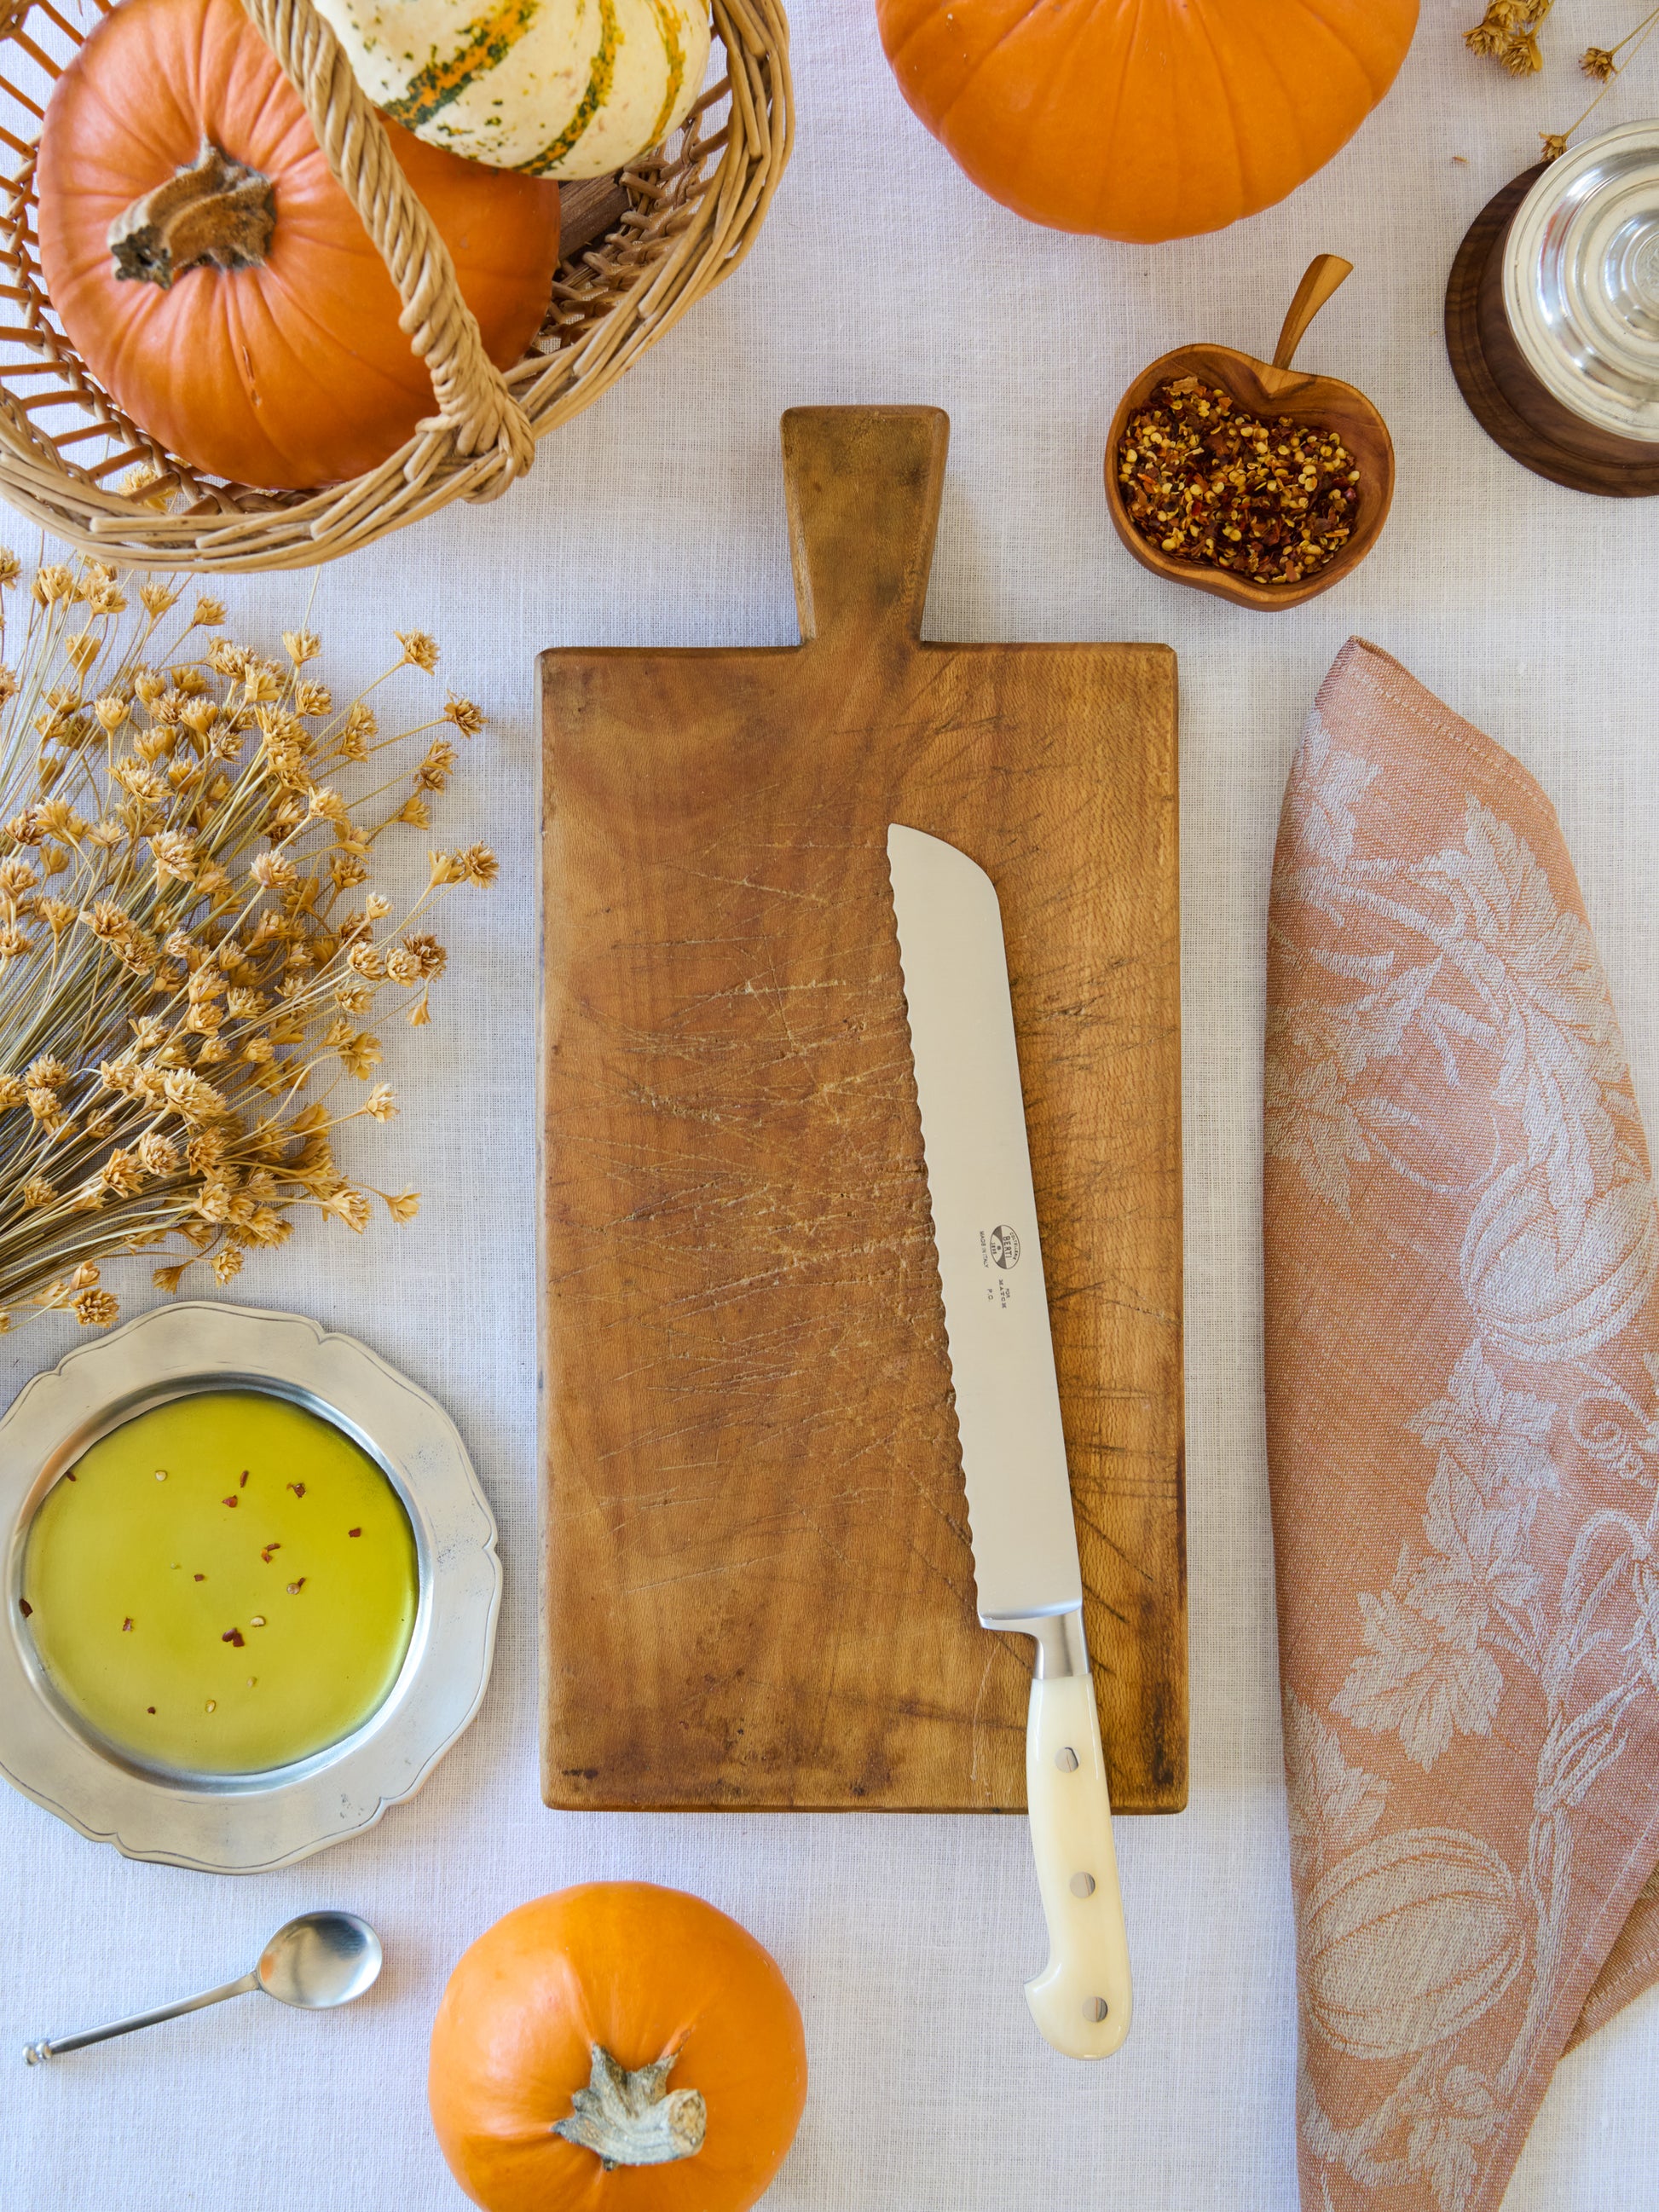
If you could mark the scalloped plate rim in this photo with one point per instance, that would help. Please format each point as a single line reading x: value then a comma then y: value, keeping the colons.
x: 471, y: 1611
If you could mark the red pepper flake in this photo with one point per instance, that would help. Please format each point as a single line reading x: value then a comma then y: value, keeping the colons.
x: 233, y: 1636
x: 1205, y: 482
x: 293, y: 1588
x: 201, y: 1579
x: 70, y: 1477
x: 24, y: 1607
x: 268, y: 1550
x: 231, y: 1500
x: 298, y: 1488
x: 354, y: 1532
x: 149, y: 1708
x: 126, y: 1626
x: 242, y: 1482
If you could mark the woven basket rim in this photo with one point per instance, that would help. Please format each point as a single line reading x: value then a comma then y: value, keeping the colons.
x: 696, y: 206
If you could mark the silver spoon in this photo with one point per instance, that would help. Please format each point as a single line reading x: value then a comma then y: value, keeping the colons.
x: 320, y: 1960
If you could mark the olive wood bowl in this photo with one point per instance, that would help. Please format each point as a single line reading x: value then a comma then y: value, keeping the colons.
x: 1269, y: 389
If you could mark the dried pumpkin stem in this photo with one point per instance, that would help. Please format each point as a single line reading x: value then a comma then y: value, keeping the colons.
x: 634, y: 2119
x: 215, y: 210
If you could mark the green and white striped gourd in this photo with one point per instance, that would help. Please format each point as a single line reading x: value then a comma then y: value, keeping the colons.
x: 556, y: 87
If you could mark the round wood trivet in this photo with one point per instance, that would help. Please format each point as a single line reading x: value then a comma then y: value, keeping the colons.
x: 1547, y: 438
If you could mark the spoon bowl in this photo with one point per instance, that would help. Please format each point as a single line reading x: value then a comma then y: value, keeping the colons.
x: 319, y: 1961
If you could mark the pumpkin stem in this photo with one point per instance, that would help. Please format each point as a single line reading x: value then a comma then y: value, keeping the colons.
x: 214, y: 211
x: 633, y: 2119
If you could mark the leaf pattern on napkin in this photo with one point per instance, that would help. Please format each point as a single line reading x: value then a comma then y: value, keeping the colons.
x: 1442, y: 1022
x: 1332, y: 1804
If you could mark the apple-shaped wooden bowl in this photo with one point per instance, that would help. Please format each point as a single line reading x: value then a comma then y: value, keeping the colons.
x: 1269, y: 389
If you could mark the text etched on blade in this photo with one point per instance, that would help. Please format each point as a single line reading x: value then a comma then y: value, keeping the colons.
x: 999, y: 1249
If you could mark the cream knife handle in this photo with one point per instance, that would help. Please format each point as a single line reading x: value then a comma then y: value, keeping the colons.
x: 1081, y: 2000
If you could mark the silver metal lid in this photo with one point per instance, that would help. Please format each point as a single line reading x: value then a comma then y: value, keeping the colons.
x: 1581, y: 281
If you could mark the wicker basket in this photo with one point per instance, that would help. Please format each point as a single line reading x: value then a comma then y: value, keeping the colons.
x: 694, y: 206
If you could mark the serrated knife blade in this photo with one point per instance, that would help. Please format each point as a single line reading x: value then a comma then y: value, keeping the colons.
x: 975, y: 1146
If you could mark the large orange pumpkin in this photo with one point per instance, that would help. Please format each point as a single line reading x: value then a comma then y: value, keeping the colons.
x: 290, y: 370
x: 560, y: 2018
x: 1143, y: 119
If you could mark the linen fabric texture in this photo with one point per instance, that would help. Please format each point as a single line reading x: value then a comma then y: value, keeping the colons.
x: 1461, y: 1355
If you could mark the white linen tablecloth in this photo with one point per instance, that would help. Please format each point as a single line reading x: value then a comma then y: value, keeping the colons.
x: 658, y: 519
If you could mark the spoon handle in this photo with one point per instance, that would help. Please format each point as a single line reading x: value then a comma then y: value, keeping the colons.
x: 1322, y: 276
x: 35, y: 2053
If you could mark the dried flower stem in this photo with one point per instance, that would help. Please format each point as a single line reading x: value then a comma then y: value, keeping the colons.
x: 1602, y: 64
x: 174, y: 974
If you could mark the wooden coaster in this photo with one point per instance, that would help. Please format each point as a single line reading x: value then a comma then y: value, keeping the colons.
x: 1630, y: 474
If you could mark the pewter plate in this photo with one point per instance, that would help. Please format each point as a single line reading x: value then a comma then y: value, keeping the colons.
x: 250, y: 1823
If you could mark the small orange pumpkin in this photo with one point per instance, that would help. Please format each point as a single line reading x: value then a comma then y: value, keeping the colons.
x: 617, y: 2045
x: 1143, y: 119
x: 265, y: 345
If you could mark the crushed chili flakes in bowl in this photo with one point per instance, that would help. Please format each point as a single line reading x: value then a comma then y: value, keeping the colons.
x: 1205, y: 482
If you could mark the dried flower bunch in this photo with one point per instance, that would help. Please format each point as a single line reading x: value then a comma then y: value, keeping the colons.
x: 1509, y: 33
x: 182, y: 996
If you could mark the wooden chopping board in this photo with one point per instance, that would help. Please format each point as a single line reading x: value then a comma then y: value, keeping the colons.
x: 758, y: 1584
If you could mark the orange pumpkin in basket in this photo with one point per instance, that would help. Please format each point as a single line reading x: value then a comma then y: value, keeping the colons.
x: 254, y: 331
x: 617, y: 2048
x: 1143, y: 119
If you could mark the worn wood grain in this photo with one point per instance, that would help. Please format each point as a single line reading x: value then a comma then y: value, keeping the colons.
x: 759, y: 1587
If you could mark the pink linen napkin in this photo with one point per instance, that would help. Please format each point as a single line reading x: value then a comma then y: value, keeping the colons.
x: 1463, y: 1346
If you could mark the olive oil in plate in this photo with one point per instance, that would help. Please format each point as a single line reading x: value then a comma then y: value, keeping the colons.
x: 224, y: 1584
